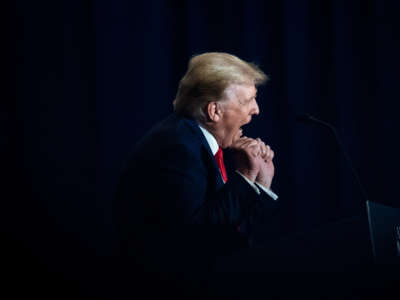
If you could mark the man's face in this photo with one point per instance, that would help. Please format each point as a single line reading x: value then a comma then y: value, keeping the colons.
x: 237, y: 109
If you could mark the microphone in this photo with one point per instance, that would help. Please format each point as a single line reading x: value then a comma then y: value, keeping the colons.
x: 304, y: 118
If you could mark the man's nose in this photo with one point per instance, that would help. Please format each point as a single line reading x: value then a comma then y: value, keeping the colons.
x: 256, y: 109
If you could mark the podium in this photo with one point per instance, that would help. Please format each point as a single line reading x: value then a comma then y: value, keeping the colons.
x: 354, y: 244
x: 384, y: 227
x: 346, y: 259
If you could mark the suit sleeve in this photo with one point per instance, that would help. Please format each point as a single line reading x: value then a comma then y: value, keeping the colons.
x: 187, y: 184
x: 172, y: 218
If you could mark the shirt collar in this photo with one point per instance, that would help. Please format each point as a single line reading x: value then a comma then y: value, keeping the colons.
x: 212, y: 142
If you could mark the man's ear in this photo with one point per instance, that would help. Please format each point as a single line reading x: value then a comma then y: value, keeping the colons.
x: 214, y: 112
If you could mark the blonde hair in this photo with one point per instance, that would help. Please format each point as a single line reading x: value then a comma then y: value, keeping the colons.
x: 206, y: 79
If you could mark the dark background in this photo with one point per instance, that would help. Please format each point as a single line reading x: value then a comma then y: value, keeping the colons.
x: 86, y: 79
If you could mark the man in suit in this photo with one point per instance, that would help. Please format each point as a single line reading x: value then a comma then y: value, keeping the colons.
x: 179, y: 209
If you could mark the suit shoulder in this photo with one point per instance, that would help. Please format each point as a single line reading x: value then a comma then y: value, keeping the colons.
x: 171, y: 136
x: 171, y: 132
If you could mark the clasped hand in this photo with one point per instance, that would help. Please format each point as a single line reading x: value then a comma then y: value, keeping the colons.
x: 254, y: 160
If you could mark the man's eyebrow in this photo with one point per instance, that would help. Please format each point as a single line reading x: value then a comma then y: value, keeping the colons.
x: 253, y: 96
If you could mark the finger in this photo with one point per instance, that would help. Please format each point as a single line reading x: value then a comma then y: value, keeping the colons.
x: 255, y: 151
x: 267, y: 150
x: 238, y: 142
x: 243, y: 142
x: 262, y: 147
x: 270, y: 155
x: 250, y: 143
x: 247, y: 143
x: 266, y: 153
x: 251, y: 146
x: 260, y: 141
x: 245, y: 138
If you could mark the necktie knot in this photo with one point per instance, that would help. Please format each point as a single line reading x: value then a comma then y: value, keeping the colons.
x: 219, y: 157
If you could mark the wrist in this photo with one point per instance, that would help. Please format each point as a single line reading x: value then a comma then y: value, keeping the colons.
x: 264, y: 182
x: 248, y: 174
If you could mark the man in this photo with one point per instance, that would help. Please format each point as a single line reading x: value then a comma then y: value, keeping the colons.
x: 179, y: 208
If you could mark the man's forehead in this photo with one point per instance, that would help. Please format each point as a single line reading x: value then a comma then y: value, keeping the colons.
x: 241, y: 90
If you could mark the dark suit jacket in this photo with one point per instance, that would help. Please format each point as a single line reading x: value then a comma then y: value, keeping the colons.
x: 174, y: 211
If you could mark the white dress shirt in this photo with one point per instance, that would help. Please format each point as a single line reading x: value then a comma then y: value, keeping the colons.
x: 212, y: 142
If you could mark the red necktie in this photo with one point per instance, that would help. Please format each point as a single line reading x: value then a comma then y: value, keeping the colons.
x: 219, y: 157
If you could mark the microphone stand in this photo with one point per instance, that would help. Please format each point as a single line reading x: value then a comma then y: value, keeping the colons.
x: 309, y: 118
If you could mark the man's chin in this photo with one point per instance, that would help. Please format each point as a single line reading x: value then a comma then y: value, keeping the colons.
x: 235, y: 138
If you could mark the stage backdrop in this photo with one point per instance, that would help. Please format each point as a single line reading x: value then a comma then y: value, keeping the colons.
x: 87, y: 79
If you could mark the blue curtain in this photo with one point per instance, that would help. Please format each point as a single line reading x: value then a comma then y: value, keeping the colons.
x: 86, y: 79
